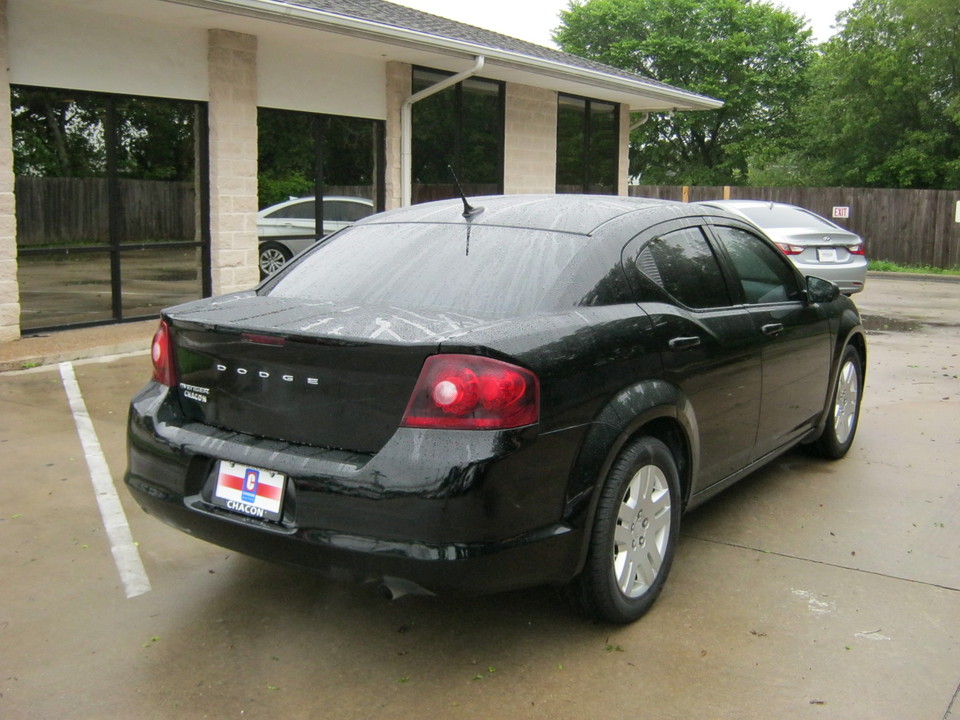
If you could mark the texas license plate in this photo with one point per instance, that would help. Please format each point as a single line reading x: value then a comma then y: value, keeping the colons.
x: 250, y: 491
x: 827, y: 255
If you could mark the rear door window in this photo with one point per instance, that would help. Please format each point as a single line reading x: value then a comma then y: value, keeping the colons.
x: 683, y: 264
x: 349, y: 211
x: 296, y: 211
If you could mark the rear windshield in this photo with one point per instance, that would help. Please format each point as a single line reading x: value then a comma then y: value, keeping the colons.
x: 784, y: 217
x: 485, y: 270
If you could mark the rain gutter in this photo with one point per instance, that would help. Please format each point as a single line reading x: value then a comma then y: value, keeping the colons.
x: 273, y: 10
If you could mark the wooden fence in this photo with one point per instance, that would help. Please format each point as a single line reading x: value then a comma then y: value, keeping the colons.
x: 74, y: 211
x: 910, y: 227
x: 913, y: 227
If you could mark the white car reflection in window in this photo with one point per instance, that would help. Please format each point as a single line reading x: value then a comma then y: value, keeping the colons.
x: 288, y: 228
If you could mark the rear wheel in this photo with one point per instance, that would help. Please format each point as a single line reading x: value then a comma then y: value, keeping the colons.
x: 841, y: 426
x: 273, y: 256
x: 634, y: 535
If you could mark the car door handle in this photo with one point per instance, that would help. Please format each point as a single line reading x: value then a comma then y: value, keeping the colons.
x: 772, y: 329
x: 684, y: 343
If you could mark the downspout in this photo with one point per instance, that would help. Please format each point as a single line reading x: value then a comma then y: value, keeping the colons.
x: 406, y: 126
x: 643, y: 118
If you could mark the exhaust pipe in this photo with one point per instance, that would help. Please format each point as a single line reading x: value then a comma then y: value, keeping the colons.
x: 392, y: 588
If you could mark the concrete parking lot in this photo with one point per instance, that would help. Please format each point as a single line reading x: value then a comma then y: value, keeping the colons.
x: 809, y: 590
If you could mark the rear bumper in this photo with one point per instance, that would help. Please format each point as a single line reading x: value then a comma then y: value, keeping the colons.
x: 467, y: 513
x: 536, y: 558
x: 850, y: 277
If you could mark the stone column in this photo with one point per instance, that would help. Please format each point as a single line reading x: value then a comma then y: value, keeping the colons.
x: 232, y: 71
x: 9, y: 288
x: 530, y: 140
x: 399, y: 88
x: 623, y: 165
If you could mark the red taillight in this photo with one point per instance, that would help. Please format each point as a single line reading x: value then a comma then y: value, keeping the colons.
x: 789, y: 249
x: 161, y: 353
x: 858, y: 249
x: 467, y: 392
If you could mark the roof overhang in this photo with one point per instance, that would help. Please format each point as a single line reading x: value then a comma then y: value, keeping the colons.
x: 419, y: 47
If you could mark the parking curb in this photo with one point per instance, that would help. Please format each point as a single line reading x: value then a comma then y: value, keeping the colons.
x: 33, y: 351
x: 927, y: 277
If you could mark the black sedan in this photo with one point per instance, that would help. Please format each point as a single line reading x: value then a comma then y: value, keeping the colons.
x: 448, y: 399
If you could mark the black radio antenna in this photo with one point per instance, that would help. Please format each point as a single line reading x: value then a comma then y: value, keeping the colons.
x: 468, y: 210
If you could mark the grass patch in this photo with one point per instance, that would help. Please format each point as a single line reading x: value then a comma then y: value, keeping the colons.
x: 889, y: 266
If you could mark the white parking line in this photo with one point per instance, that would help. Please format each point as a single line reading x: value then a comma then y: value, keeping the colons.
x: 125, y: 552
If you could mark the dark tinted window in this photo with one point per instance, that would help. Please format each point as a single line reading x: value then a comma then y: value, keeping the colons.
x: 297, y: 211
x: 765, y: 275
x: 109, y: 220
x: 334, y: 210
x: 345, y: 210
x: 482, y: 270
x: 305, y: 154
x: 682, y: 263
x: 587, y: 145
x: 462, y: 127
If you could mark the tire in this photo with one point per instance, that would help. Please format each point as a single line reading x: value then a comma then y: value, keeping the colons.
x: 273, y: 256
x: 844, y: 416
x: 634, y: 535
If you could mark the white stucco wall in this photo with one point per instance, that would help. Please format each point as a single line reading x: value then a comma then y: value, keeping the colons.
x: 77, y: 47
x: 55, y: 44
x: 310, y: 79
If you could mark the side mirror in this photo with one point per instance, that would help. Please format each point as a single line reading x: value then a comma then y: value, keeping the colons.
x: 821, y: 291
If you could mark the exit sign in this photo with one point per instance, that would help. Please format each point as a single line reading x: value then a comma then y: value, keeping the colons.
x: 841, y: 212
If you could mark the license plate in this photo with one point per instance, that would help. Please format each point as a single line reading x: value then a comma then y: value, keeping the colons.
x: 250, y: 491
x: 827, y: 255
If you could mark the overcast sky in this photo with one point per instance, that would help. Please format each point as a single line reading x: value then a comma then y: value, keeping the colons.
x: 533, y: 20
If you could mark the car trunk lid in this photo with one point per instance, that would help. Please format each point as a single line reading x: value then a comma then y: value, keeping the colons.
x: 316, y: 374
x: 821, y: 238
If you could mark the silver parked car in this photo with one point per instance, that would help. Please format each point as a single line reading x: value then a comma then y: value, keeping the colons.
x: 288, y: 228
x: 814, y: 244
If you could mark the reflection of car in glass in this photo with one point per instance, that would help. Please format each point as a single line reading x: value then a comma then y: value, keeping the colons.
x: 288, y: 228
x: 441, y: 400
x: 814, y: 244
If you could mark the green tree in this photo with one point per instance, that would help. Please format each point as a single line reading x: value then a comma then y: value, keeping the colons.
x: 57, y: 136
x: 749, y: 54
x: 57, y: 133
x: 885, y: 106
x: 293, y: 147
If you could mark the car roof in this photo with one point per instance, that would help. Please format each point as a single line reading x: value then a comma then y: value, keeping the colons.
x: 581, y: 214
x: 310, y: 198
x: 326, y: 198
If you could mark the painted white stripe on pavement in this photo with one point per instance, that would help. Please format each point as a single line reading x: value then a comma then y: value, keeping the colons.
x: 125, y: 553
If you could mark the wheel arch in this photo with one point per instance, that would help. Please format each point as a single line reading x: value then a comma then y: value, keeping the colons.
x: 855, y: 337
x: 652, y: 408
x: 859, y: 341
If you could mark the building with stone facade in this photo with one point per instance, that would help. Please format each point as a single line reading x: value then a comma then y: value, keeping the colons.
x: 140, y: 138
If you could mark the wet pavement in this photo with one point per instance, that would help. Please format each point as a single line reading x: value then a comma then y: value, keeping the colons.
x: 808, y: 590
